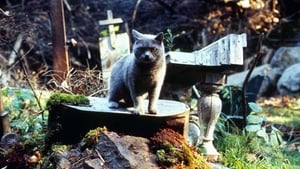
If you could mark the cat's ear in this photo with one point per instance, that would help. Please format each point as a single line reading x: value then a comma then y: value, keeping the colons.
x: 136, y: 35
x: 159, y: 37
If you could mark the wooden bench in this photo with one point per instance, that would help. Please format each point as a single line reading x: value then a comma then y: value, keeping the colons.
x: 207, y: 68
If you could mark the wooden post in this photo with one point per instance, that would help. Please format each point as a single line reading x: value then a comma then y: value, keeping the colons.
x: 4, y: 120
x: 110, y: 21
x: 60, y: 52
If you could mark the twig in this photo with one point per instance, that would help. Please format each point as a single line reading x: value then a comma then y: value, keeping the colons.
x: 99, y: 155
x: 195, y: 90
x: 135, y: 10
x: 22, y: 58
x: 98, y: 91
x: 81, y: 160
x: 245, y: 84
x: 67, y: 5
x: 204, y: 39
x: 84, y: 43
x: 6, y: 13
x: 17, y: 45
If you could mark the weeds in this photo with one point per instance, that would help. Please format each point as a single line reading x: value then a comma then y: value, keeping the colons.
x: 257, y: 146
x: 28, y: 129
x: 169, y: 38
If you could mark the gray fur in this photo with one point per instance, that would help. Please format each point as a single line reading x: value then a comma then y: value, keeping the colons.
x: 139, y: 74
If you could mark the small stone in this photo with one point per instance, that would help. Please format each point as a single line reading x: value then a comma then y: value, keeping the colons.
x: 194, y: 133
x: 63, y: 163
x: 9, y: 139
x: 125, y: 151
x: 289, y: 81
x: 93, y: 164
x: 285, y: 56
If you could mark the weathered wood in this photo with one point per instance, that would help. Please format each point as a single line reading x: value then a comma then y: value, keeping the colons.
x: 4, y: 120
x: 68, y: 123
x: 190, y: 68
x: 225, y: 51
x: 111, y: 22
x: 60, y: 52
x: 207, y: 67
x: 4, y: 124
x: 114, y: 47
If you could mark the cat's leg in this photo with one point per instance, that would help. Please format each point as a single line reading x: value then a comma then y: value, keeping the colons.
x: 153, y: 99
x: 113, y: 101
x: 138, y: 105
x: 137, y: 100
x: 115, y: 94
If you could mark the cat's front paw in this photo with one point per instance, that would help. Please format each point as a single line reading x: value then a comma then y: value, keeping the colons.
x: 152, y: 111
x: 139, y: 110
x: 113, y: 104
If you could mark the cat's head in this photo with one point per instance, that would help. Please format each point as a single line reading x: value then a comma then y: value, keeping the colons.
x: 148, y: 48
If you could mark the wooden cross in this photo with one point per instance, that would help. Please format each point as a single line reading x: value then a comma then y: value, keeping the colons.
x: 110, y: 21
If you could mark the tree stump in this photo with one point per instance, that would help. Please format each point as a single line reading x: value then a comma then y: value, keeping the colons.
x: 69, y: 123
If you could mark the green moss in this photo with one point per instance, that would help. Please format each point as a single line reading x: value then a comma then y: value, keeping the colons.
x: 168, y: 155
x: 59, y: 98
x: 173, y: 151
x: 194, y: 160
x: 92, y: 137
x: 59, y: 148
x: 182, y: 157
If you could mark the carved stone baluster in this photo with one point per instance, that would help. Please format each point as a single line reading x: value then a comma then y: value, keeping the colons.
x: 209, y: 110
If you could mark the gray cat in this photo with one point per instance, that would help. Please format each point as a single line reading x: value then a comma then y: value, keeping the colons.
x: 139, y: 74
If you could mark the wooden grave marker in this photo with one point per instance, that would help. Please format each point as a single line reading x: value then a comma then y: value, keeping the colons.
x: 114, y: 46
